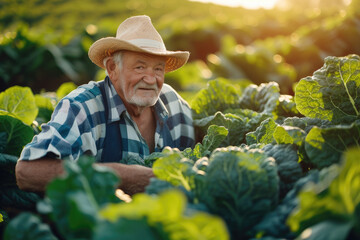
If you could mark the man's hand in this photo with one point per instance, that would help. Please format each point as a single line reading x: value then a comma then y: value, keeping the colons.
x: 134, y: 178
x: 34, y: 175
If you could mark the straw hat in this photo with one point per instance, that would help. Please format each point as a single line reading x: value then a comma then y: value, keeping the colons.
x: 137, y: 34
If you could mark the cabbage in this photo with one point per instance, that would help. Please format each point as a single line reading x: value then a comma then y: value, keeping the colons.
x: 330, y: 209
x: 241, y: 187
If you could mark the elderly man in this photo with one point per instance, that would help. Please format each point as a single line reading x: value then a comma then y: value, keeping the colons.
x: 131, y: 112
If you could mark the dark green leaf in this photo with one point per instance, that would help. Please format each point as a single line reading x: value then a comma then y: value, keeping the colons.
x: 324, y: 146
x: 333, y: 199
x: 7, y: 170
x: 17, y: 132
x: 12, y: 196
x: 30, y: 227
x: 327, y: 230
x: 77, y: 196
x: 3, y: 141
x: 262, y: 99
x: 126, y: 229
x: 287, y: 161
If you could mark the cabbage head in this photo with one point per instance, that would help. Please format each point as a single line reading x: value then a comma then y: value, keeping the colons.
x: 241, y: 187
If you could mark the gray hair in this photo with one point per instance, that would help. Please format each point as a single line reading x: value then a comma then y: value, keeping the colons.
x: 117, y: 56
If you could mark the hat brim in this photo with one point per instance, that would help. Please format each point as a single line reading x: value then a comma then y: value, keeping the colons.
x: 104, y: 47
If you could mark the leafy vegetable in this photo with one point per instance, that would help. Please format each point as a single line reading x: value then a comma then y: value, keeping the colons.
x: 19, y: 102
x: 46, y: 108
x: 82, y: 205
x: 287, y: 107
x: 263, y: 98
x: 35, y: 229
x: 14, y: 135
x: 175, y: 168
x: 185, y: 170
x: 76, y: 197
x: 7, y: 170
x: 165, y: 219
x: 324, y: 146
x: 241, y: 187
x: 238, y: 124
x: 330, y: 208
x: 332, y: 92
x: 11, y: 195
x: 65, y: 89
x: 263, y: 133
x: 287, y: 161
x: 274, y: 223
x: 306, y: 123
x: 252, y: 188
x: 233, y: 123
x: 289, y: 135
x: 215, y: 136
x: 218, y: 96
x: 157, y: 186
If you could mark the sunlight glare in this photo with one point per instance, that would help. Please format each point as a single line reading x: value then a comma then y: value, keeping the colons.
x: 250, y: 4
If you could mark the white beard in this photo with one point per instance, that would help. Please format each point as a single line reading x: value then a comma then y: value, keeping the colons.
x: 144, y: 101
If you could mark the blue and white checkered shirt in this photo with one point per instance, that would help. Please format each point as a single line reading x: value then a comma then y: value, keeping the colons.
x: 78, y: 126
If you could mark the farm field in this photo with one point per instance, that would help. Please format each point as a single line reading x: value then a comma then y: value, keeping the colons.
x: 275, y: 100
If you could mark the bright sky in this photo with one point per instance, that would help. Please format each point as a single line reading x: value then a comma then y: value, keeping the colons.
x: 252, y: 4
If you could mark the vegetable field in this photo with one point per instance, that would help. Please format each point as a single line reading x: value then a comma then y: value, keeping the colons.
x: 275, y: 97
x: 268, y: 166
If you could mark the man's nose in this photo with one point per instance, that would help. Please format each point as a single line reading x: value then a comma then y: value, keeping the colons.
x: 150, y: 77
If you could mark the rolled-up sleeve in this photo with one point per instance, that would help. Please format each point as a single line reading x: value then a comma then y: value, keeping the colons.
x: 63, y: 135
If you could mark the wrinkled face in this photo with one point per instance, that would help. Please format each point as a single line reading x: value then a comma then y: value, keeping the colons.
x: 141, y: 78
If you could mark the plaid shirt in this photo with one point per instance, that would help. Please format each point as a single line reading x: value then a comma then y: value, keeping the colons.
x: 78, y: 125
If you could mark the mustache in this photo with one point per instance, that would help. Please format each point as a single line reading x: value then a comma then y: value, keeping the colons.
x: 146, y: 86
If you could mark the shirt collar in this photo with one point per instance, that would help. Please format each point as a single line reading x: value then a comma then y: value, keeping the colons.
x: 161, y: 111
x: 117, y: 107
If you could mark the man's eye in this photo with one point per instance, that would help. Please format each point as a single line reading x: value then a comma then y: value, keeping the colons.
x: 140, y: 67
x: 159, y: 69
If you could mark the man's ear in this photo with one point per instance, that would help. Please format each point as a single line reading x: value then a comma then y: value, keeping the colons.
x: 111, y: 68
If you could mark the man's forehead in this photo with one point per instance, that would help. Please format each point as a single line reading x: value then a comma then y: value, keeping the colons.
x: 137, y: 56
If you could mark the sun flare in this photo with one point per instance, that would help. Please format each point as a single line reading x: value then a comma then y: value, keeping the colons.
x: 250, y: 4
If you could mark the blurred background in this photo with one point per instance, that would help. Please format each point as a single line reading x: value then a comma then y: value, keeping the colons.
x: 44, y: 43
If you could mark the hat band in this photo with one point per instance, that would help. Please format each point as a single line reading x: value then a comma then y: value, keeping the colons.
x: 147, y: 43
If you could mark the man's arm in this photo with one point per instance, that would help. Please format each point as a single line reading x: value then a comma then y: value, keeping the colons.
x: 36, y: 174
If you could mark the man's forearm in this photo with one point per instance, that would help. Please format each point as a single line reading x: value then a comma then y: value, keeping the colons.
x: 36, y: 174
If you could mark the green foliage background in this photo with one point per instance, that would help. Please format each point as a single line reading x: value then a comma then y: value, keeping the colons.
x: 44, y: 43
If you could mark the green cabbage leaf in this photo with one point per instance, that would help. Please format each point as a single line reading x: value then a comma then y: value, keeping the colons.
x: 333, y: 92
x: 324, y: 146
x: 330, y: 209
